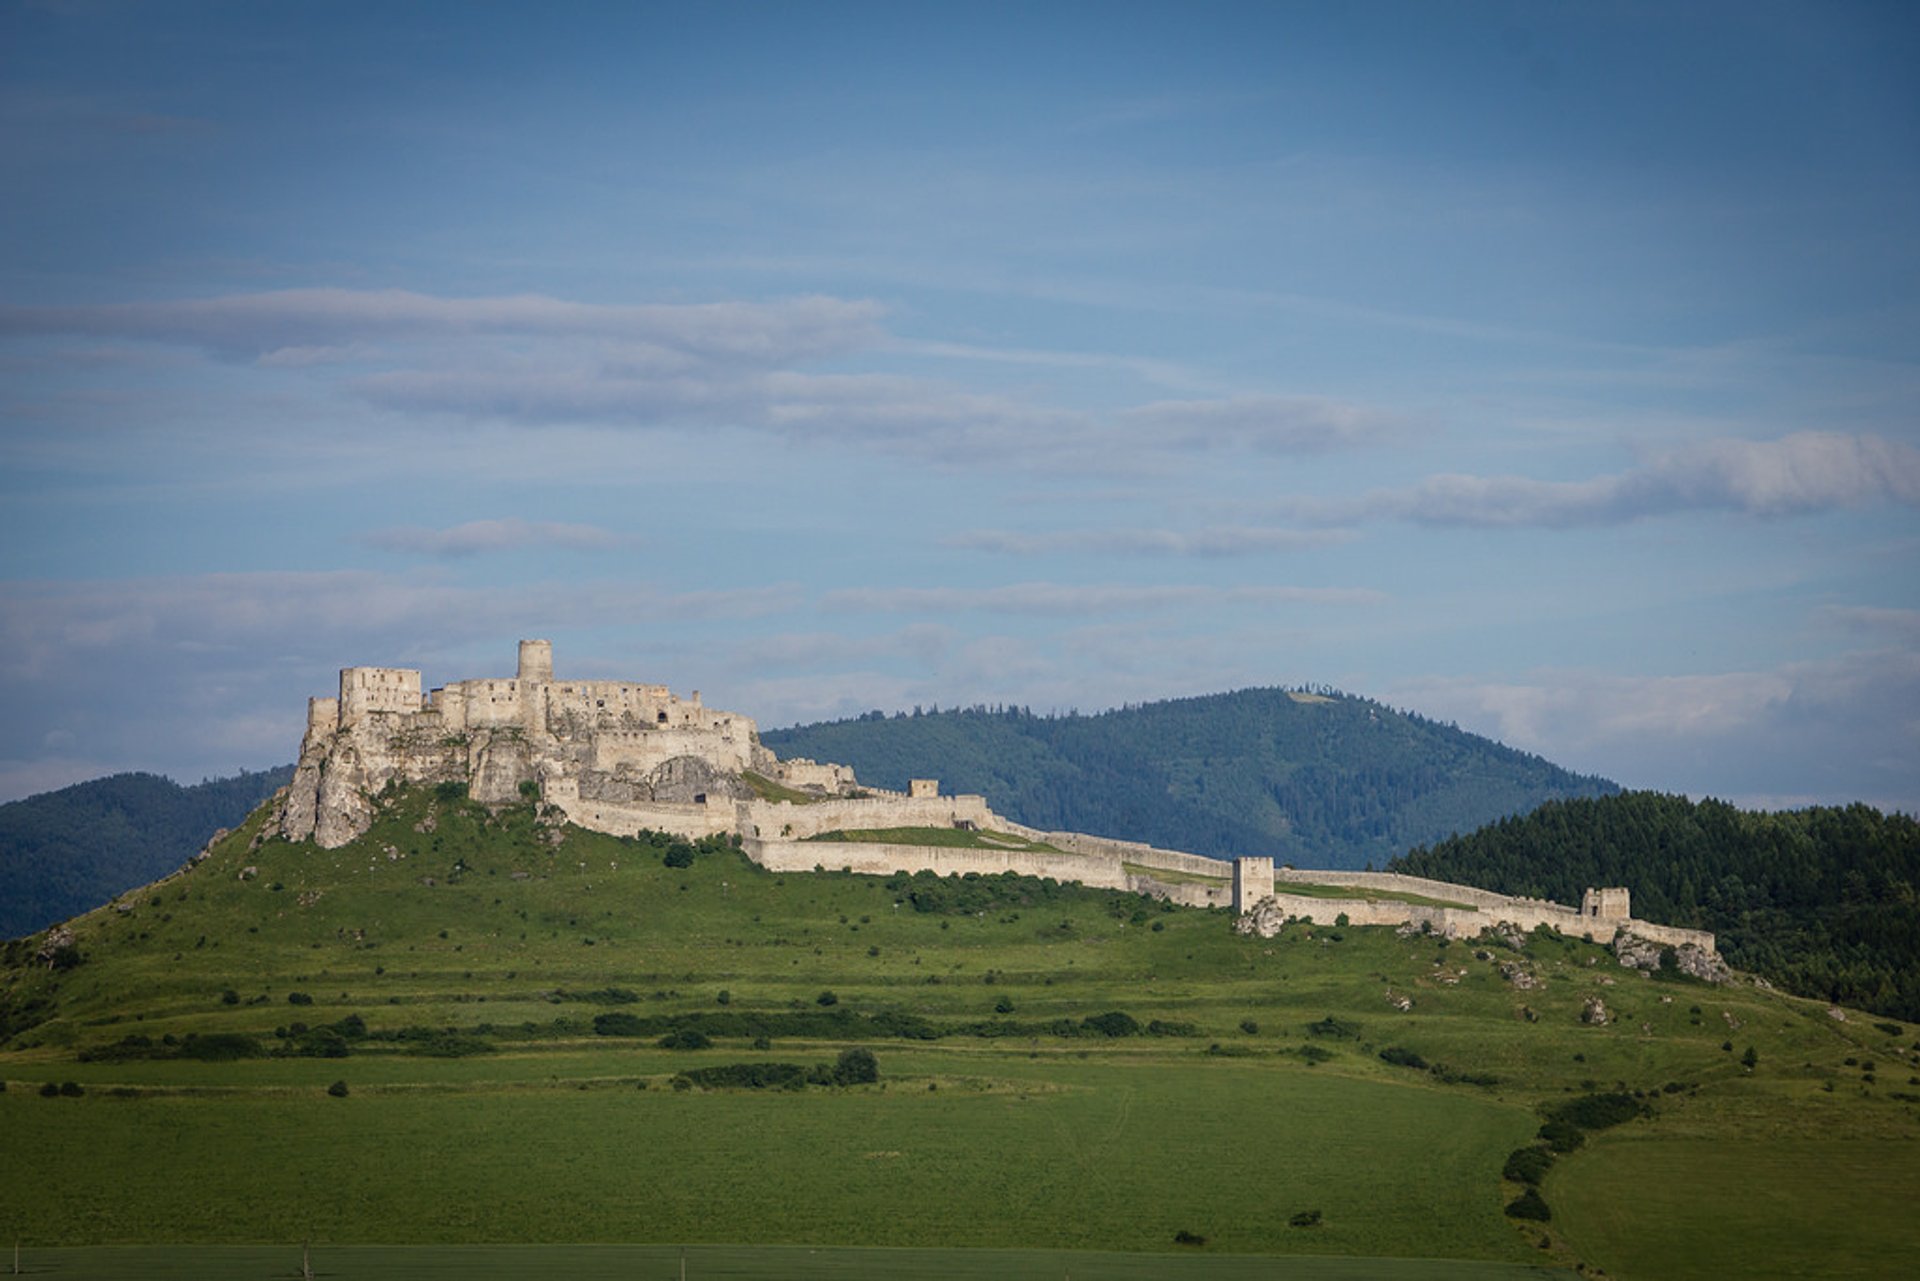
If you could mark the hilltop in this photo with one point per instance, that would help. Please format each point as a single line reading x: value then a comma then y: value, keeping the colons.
x: 1057, y: 1066
x: 66, y: 851
x: 1318, y: 779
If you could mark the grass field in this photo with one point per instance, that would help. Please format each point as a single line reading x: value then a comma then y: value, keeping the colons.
x: 504, y: 1084
x: 723, y: 1263
x: 946, y: 837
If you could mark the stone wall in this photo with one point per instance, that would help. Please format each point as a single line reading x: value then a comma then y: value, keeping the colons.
x: 774, y: 820
x: 878, y: 859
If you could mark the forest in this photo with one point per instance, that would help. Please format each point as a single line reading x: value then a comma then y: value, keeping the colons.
x: 1314, y: 778
x: 1820, y: 900
x: 64, y: 852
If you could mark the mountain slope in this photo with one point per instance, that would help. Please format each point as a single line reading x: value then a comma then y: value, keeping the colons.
x: 1322, y: 780
x: 1820, y: 900
x: 67, y: 851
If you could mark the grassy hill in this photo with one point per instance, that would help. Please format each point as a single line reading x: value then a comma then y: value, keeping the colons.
x: 1319, y: 780
x: 1820, y: 900
x: 66, y: 851
x: 470, y: 1027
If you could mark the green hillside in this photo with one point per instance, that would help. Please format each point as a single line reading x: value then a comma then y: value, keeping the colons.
x: 1820, y: 900
x: 474, y: 1027
x: 67, y: 851
x: 1318, y: 780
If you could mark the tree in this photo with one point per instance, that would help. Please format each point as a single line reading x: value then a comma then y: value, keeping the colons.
x: 856, y: 1066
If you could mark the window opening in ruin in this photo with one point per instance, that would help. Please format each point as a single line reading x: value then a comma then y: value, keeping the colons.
x: 662, y: 718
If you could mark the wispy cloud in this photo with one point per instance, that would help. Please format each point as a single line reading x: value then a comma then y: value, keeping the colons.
x: 1072, y: 600
x: 1216, y: 541
x: 475, y: 537
x: 1274, y: 424
x: 1794, y: 475
x: 1847, y: 726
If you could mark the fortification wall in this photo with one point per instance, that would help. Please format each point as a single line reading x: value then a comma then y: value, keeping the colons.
x: 1128, y: 852
x: 1396, y: 883
x: 646, y: 750
x: 785, y: 820
x: 879, y: 859
x: 378, y: 689
x: 1185, y: 893
x: 801, y: 772
x: 691, y: 821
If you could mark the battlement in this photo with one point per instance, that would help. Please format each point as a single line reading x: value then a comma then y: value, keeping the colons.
x: 378, y: 689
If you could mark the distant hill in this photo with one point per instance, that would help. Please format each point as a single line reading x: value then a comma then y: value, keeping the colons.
x: 1821, y: 900
x: 64, y: 852
x: 1314, y: 779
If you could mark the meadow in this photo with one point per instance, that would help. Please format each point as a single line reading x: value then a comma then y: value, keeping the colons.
x: 449, y: 1034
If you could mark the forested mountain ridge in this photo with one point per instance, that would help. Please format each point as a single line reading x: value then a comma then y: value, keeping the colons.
x: 1820, y: 900
x: 64, y: 852
x: 1315, y: 779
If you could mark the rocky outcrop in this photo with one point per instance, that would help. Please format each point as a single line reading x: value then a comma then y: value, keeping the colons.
x: 1646, y: 955
x: 1594, y: 1012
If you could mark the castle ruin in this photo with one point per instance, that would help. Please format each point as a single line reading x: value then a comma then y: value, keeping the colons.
x: 622, y: 757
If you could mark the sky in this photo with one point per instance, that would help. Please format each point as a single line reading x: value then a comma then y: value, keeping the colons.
x: 1551, y: 369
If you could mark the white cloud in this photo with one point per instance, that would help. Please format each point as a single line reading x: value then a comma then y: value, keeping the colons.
x: 477, y: 536
x: 1796, y: 474
x: 1273, y: 424
x: 1837, y: 730
x: 1070, y: 599
x: 1218, y: 541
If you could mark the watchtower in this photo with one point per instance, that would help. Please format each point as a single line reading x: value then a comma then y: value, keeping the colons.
x: 1610, y: 904
x: 1252, y: 881
x: 536, y: 662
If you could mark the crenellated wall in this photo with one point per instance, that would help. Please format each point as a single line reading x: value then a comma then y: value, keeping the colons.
x: 774, y: 820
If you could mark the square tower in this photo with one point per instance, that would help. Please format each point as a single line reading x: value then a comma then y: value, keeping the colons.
x: 1252, y: 881
x: 1610, y: 904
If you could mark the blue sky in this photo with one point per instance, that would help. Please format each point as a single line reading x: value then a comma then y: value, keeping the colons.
x: 1551, y: 368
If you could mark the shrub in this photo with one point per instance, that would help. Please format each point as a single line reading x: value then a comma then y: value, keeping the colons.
x: 1562, y: 1136
x: 1330, y: 1026
x: 338, y: 1089
x: 826, y: 998
x: 1400, y: 1056
x: 450, y: 792
x: 301, y: 998
x: 1250, y: 1027
x: 686, y: 1038
x: 49, y: 1091
x: 220, y: 1047
x: 1003, y: 1006
x: 1528, y: 1165
x: 70, y: 1090
x: 230, y: 997
x: 856, y: 1066
x: 618, y: 1024
x: 1305, y: 1219
x: 1528, y: 1205
x: 1598, y: 1111
x: 1113, y: 1023
x: 725, y: 997
x: 1184, y: 1237
x: 749, y: 1076
x: 529, y: 790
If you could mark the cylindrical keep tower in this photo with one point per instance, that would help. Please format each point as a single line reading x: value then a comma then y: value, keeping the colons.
x: 536, y: 661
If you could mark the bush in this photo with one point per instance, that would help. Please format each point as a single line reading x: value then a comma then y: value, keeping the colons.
x: 1333, y: 1027
x: 826, y: 998
x: 301, y: 998
x: 529, y: 790
x: 1113, y: 1023
x: 49, y: 1091
x: 221, y: 1047
x: 1250, y: 1027
x: 1305, y: 1219
x: 70, y: 1090
x: 1528, y: 1165
x: 679, y: 854
x: 856, y: 1066
x: 1561, y: 1136
x: 338, y: 1089
x: 1184, y: 1237
x: 450, y: 792
x: 1529, y: 1205
x: 749, y: 1076
x: 230, y: 997
x: 618, y: 1024
x: 1598, y: 1111
x: 686, y: 1038
x: 1400, y: 1056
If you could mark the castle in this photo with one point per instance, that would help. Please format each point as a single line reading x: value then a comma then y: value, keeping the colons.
x: 621, y: 757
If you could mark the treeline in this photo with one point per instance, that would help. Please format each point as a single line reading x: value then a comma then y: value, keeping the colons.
x: 67, y: 852
x: 1820, y: 901
x: 1313, y: 778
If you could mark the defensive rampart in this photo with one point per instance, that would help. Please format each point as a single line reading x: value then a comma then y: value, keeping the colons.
x: 783, y: 819
x: 884, y: 859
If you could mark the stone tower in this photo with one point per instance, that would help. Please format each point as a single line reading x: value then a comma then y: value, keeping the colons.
x: 536, y: 662
x: 1252, y: 881
x: 1610, y: 904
